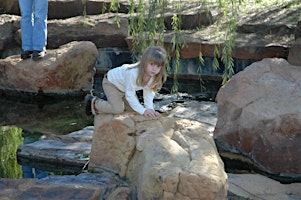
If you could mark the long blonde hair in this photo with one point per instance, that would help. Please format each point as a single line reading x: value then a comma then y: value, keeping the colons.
x: 158, y: 56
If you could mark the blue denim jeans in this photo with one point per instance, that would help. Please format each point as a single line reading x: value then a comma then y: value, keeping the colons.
x: 34, y: 24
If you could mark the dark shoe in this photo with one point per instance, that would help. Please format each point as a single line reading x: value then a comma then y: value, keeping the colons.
x: 88, y: 102
x: 37, y: 55
x: 26, y: 54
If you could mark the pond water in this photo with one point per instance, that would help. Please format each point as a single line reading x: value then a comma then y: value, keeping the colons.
x: 38, y: 118
x: 35, y: 122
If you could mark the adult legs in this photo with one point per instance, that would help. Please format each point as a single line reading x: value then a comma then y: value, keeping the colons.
x: 26, y: 7
x: 40, y: 24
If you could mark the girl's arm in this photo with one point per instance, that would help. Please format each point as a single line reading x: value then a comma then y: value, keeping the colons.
x: 148, y: 98
x: 130, y: 93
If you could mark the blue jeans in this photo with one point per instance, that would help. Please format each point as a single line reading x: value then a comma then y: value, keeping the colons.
x: 34, y: 24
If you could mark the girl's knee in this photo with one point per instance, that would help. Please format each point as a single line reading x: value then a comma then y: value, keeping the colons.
x: 117, y: 110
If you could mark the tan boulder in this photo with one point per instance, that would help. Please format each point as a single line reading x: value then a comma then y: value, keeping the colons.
x: 259, y: 116
x: 165, y: 158
x: 67, y: 70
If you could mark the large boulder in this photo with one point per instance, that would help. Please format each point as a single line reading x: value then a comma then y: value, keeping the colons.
x: 67, y: 70
x: 259, y: 116
x: 165, y: 158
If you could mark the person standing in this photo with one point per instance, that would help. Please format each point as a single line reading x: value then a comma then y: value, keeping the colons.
x: 33, y: 28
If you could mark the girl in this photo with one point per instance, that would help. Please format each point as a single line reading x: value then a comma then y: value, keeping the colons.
x: 120, y: 85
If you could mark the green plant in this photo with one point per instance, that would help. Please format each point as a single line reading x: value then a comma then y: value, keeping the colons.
x: 146, y: 27
x: 10, y: 139
x: 177, y: 45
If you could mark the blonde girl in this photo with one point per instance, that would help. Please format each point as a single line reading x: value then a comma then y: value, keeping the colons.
x: 120, y: 85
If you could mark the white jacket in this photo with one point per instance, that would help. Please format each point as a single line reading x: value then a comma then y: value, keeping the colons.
x: 124, y: 78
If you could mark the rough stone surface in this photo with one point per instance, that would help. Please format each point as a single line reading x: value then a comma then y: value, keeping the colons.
x: 82, y: 187
x: 274, y: 39
x: 102, y: 30
x: 298, y: 30
x: 294, y: 56
x: 241, y: 186
x: 165, y: 158
x: 61, y: 9
x: 190, y: 19
x: 259, y: 116
x: 255, y: 186
x: 9, y: 24
x: 71, y: 150
x: 66, y: 70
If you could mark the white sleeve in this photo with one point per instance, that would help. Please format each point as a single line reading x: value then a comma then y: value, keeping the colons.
x: 148, y: 97
x: 130, y: 93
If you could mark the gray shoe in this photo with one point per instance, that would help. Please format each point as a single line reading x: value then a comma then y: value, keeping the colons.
x: 37, y: 55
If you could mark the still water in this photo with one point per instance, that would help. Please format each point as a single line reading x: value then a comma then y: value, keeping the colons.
x: 23, y: 123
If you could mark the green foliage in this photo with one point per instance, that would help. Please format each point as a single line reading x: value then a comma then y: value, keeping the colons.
x: 10, y: 139
x: 177, y: 45
x: 146, y: 27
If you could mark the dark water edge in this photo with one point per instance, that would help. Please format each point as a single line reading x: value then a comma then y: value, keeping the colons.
x: 237, y: 166
x: 41, y: 116
x: 40, y: 121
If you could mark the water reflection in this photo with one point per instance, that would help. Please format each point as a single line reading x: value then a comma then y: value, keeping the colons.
x: 57, y: 118
x: 30, y: 122
x: 10, y: 139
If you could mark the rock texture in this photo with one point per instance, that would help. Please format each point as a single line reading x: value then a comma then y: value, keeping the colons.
x: 241, y: 186
x: 102, y: 30
x: 165, y: 158
x: 61, y: 9
x: 255, y: 186
x: 71, y: 150
x: 294, y: 56
x: 67, y: 70
x: 259, y: 116
x: 82, y: 187
x: 66, y: 24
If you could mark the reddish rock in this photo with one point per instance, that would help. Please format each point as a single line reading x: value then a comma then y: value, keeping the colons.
x: 259, y: 116
x: 67, y: 70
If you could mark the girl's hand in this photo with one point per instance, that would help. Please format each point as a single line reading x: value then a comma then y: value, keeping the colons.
x: 151, y: 113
